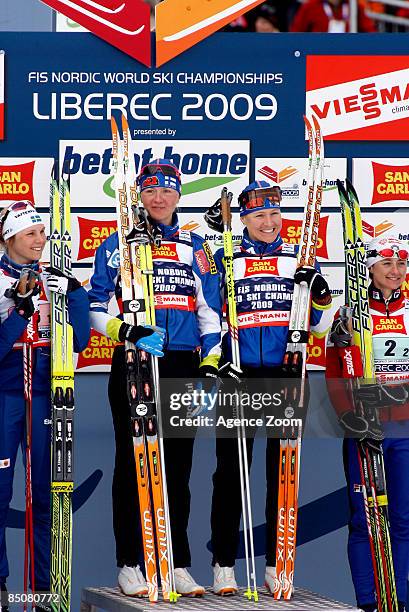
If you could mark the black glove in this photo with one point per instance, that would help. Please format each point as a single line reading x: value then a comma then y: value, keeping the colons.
x: 146, y: 230
x: 59, y: 282
x: 228, y: 370
x: 353, y: 424
x: 340, y: 334
x: 213, y: 216
x: 316, y: 282
x: 380, y: 396
x: 208, y: 371
x: 133, y: 333
x: 23, y: 291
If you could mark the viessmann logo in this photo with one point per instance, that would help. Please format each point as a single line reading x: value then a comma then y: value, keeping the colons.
x: 126, y: 23
x: 373, y: 104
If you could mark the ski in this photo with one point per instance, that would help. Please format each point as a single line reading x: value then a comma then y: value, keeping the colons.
x: 370, y: 454
x: 251, y: 591
x: 62, y: 398
x: 294, y: 365
x: 142, y: 370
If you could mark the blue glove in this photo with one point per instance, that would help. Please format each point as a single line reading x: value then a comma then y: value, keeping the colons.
x: 153, y: 343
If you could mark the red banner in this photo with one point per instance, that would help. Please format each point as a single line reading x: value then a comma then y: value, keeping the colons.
x: 291, y: 232
x: 92, y: 234
x: 16, y: 182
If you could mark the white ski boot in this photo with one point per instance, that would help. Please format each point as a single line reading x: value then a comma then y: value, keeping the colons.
x: 224, y: 580
x: 186, y: 585
x: 131, y: 581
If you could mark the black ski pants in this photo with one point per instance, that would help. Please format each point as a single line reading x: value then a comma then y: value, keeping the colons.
x: 226, y: 501
x: 178, y: 460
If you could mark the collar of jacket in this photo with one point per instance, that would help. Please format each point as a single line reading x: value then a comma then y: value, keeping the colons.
x: 169, y: 231
x: 261, y: 248
x: 392, y: 304
x: 11, y: 268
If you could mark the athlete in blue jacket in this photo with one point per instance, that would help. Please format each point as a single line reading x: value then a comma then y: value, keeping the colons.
x: 188, y: 307
x: 22, y: 234
x: 264, y: 276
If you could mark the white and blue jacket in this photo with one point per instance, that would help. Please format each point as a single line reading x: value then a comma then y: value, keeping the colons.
x: 264, y: 284
x: 186, y: 288
x: 13, y: 327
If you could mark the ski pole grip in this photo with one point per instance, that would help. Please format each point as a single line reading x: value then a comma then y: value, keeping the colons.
x: 225, y: 208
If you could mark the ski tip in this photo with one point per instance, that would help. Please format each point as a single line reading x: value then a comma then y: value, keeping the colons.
x: 114, y: 126
x: 54, y: 170
x: 65, y: 173
x: 307, y: 123
x: 316, y: 124
x: 125, y: 125
x: 340, y: 186
x: 350, y: 186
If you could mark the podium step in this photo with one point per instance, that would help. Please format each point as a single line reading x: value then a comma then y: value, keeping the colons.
x: 112, y: 600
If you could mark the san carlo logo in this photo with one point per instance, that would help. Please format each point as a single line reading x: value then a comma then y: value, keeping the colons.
x: 125, y: 24
x: 390, y: 183
x: 16, y: 182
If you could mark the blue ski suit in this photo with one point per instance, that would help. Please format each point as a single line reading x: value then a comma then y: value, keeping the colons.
x: 264, y: 286
x: 188, y: 306
x: 12, y: 407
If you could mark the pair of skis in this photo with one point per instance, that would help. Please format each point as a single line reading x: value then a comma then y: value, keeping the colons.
x: 136, y: 266
x: 294, y: 365
x: 62, y: 393
x: 28, y: 285
x: 370, y: 454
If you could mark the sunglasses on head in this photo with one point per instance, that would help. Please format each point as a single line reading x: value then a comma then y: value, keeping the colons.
x: 256, y: 197
x: 400, y: 253
x: 150, y: 169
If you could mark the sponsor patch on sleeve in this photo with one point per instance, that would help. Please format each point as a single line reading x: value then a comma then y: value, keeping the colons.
x: 202, y: 261
x: 4, y: 463
x: 210, y: 258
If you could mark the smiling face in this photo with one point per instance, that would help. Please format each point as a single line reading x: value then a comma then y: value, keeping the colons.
x: 263, y: 225
x: 389, y: 274
x: 160, y: 203
x: 28, y: 245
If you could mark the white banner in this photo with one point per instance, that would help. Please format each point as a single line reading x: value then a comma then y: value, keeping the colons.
x: 360, y: 103
x: 89, y: 230
x: 206, y: 166
x: 291, y: 175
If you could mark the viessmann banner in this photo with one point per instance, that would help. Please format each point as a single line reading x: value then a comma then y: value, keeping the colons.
x: 359, y: 97
x: 227, y: 111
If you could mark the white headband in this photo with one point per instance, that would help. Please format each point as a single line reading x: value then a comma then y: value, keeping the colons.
x: 20, y: 218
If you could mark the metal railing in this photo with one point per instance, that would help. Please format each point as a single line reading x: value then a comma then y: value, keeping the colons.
x: 384, y: 21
